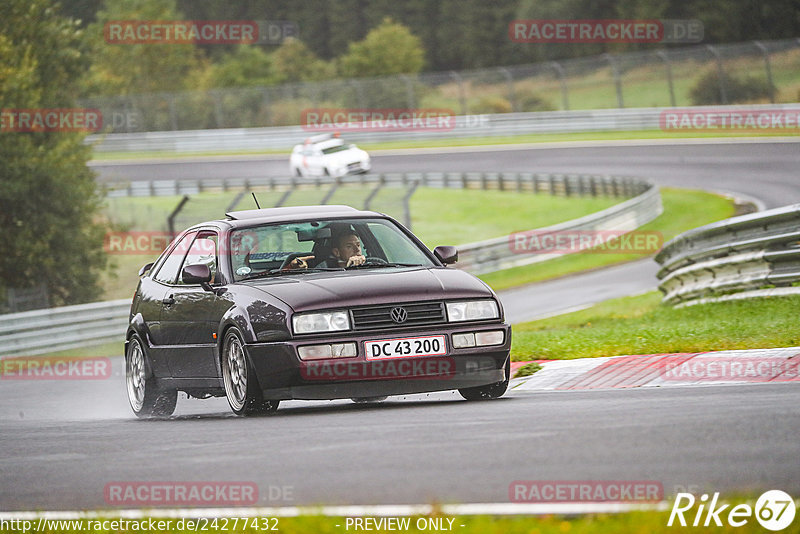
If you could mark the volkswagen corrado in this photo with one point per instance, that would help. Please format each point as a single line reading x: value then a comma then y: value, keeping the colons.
x: 323, y: 302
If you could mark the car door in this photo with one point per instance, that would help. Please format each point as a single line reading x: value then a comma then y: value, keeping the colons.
x: 188, y: 320
x: 162, y: 279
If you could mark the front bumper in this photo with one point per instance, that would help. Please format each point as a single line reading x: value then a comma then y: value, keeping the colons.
x: 283, y: 376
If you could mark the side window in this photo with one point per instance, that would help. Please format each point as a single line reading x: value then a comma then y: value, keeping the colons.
x: 168, y: 272
x: 203, y: 250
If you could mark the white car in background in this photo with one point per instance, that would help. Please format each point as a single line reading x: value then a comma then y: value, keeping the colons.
x: 328, y: 155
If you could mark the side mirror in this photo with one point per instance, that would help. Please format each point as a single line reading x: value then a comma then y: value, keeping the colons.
x: 146, y: 268
x: 446, y: 255
x: 197, y: 274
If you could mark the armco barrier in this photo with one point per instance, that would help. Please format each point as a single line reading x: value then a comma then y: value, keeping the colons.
x: 496, y: 254
x: 747, y: 256
x: 501, y: 124
x: 67, y: 327
x: 45, y: 331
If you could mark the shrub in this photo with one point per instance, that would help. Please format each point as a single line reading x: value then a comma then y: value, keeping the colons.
x: 707, y: 89
x: 490, y: 104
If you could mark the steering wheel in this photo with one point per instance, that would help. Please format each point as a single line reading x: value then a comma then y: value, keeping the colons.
x: 375, y: 259
x: 291, y: 257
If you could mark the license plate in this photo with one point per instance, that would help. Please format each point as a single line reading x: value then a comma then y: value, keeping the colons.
x: 405, y: 347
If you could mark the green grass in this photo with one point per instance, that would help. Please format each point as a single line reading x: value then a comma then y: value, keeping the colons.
x: 683, y: 209
x: 464, y: 141
x: 115, y: 348
x: 642, y: 325
x: 629, y: 523
x: 439, y: 216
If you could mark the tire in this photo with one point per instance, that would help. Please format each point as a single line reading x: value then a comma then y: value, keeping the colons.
x: 241, y: 386
x: 492, y: 391
x: 368, y: 400
x: 146, y: 399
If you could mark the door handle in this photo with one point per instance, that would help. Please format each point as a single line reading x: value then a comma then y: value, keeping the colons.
x: 169, y: 301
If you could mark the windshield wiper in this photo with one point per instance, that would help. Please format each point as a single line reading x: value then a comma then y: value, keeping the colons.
x: 279, y: 272
x: 388, y: 264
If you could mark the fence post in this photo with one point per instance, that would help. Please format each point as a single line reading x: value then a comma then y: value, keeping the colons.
x: 457, y: 77
x: 409, y: 91
x: 723, y: 91
x: 512, y: 98
x: 663, y: 55
x: 175, y: 212
x: 406, y: 203
x: 768, y: 69
x: 617, y: 81
x: 378, y: 187
x: 173, y: 116
x: 563, y: 80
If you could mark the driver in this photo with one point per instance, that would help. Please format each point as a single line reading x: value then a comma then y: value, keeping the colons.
x: 346, y: 250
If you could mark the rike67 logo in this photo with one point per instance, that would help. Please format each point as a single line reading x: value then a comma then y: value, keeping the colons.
x: 774, y: 510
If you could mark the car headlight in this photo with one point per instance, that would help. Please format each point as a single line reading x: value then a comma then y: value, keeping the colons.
x: 472, y: 310
x: 309, y: 323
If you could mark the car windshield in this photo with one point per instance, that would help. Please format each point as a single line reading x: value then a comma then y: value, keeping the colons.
x: 264, y: 250
x: 337, y: 148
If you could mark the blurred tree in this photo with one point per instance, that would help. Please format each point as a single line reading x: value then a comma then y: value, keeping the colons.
x: 123, y: 69
x: 388, y: 49
x: 246, y: 66
x: 295, y: 62
x: 49, y: 206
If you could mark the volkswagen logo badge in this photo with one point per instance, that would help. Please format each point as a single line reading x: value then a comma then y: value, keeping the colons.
x: 399, y: 315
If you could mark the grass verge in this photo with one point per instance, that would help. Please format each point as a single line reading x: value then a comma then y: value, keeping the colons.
x: 684, y: 209
x: 642, y: 325
x: 633, y: 522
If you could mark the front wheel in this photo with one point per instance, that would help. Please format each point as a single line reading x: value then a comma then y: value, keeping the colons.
x: 492, y: 391
x: 241, y: 386
x: 144, y: 396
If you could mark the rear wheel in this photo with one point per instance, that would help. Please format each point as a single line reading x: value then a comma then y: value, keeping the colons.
x: 146, y: 399
x: 492, y: 391
x: 241, y: 386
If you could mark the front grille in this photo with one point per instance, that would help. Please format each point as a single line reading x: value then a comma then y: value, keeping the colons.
x: 419, y: 314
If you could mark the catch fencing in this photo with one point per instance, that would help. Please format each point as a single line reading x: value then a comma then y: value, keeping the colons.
x: 717, y: 74
x: 49, y: 330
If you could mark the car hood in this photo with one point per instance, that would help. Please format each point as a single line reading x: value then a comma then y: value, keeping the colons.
x: 371, y: 287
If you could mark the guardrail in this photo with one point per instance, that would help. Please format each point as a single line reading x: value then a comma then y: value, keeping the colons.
x: 496, y: 254
x: 500, y: 124
x: 553, y: 184
x: 733, y: 259
x: 44, y: 331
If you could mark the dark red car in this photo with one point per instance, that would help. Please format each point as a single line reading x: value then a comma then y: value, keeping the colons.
x: 321, y: 302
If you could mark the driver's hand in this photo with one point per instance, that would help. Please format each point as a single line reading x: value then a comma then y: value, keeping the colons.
x: 355, y: 260
x: 299, y: 262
